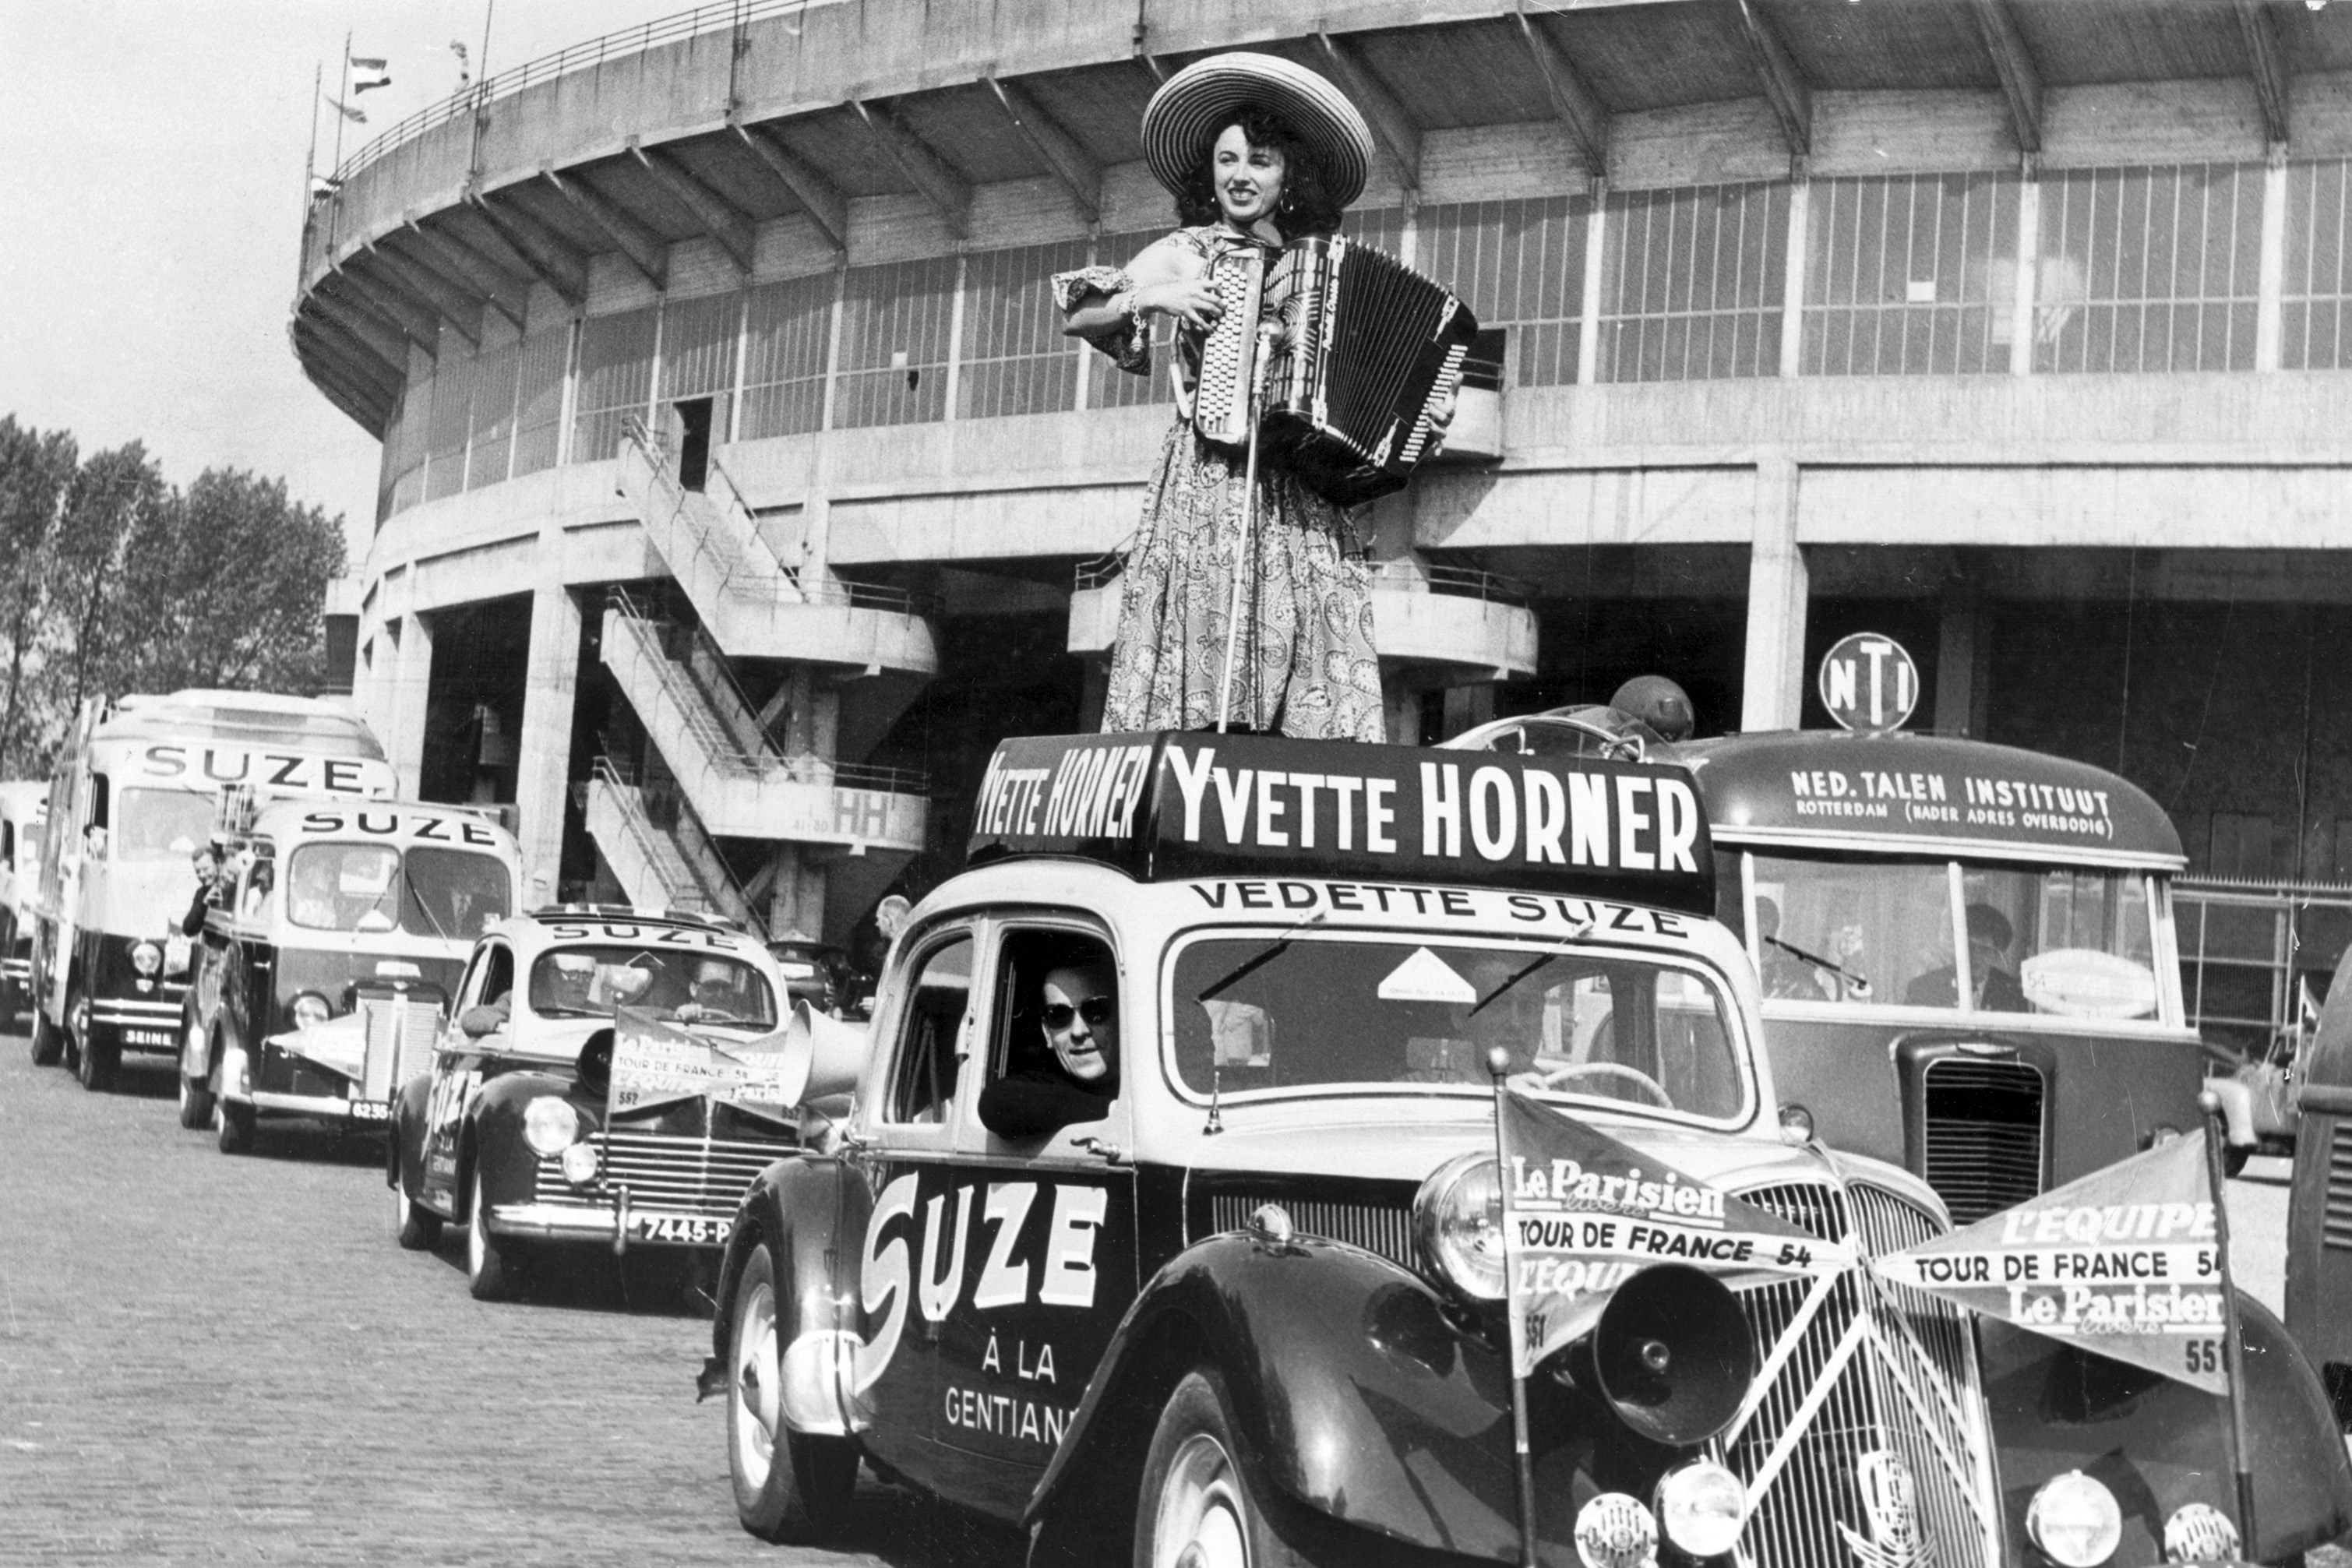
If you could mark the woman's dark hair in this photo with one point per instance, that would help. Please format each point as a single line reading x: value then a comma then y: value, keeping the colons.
x: 1306, y: 208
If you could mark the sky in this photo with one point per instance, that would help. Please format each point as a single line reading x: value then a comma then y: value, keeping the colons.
x: 150, y: 214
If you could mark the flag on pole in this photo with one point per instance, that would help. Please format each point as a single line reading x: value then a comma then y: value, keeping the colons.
x: 654, y: 1063
x: 347, y: 112
x: 2125, y: 1262
x: 1582, y: 1212
x: 367, y: 74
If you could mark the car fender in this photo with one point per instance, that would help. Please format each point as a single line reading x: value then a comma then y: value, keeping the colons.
x: 798, y: 1207
x: 2237, y: 1109
x: 493, y: 1142
x: 2157, y: 1443
x: 1358, y: 1390
x: 404, y: 1138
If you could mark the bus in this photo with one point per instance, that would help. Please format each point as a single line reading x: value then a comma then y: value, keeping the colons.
x: 133, y: 798
x: 24, y: 806
x: 1967, y: 950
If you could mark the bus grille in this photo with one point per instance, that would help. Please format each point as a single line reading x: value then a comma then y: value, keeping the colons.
x: 671, y: 1174
x: 400, y: 1035
x: 1982, y: 1134
x: 2336, y: 1218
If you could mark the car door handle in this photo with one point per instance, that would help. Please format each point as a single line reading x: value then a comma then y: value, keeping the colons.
x: 1103, y: 1148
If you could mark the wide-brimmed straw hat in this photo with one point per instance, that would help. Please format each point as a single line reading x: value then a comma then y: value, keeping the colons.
x: 1181, y: 122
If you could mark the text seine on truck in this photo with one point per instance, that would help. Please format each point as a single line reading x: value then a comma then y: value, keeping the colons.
x: 1967, y: 950
x: 133, y: 796
x: 327, y: 966
x: 1252, y: 1307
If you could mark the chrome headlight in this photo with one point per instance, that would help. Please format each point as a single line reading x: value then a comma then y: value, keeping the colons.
x: 2075, y: 1521
x: 550, y: 1125
x: 147, y: 958
x: 1702, y: 1508
x: 310, y: 1009
x: 1457, y: 1222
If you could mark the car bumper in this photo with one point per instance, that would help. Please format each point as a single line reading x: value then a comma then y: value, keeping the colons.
x: 614, y: 1223
x: 139, y: 1025
x: 324, y: 1107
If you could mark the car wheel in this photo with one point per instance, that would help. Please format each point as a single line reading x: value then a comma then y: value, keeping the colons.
x: 493, y: 1267
x: 49, y: 1040
x: 2234, y: 1158
x: 1196, y: 1508
x: 418, y: 1229
x: 789, y: 1486
x: 232, y: 1126
x: 94, y: 1063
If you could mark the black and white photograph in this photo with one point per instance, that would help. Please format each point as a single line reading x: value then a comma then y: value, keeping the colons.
x: 867, y: 782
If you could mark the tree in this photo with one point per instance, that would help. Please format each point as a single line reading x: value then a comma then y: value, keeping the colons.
x: 36, y: 468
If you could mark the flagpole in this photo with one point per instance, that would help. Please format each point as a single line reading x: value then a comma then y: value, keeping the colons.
x: 2233, y: 1350
x: 1498, y: 1065
x: 340, y: 115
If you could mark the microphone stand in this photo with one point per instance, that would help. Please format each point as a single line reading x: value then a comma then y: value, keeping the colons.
x: 1244, y: 545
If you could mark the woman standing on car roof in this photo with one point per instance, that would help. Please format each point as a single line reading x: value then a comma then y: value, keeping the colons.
x: 1256, y: 152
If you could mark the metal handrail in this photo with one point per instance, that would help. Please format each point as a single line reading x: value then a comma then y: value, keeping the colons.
x: 1387, y: 577
x: 810, y: 590
x: 607, y: 770
x: 594, y: 52
x: 800, y: 768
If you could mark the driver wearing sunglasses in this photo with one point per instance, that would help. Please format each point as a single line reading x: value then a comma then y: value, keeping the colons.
x: 1079, y: 1079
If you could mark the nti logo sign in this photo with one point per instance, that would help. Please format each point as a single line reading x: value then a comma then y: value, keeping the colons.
x: 1869, y: 683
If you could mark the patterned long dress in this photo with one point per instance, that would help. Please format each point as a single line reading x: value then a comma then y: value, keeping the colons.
x: 1304, y: 665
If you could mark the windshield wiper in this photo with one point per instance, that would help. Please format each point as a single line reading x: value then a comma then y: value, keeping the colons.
x: 417, y: 898
x: 1250, y: 966
x: 1858, y: 984
x: 1509, y: 981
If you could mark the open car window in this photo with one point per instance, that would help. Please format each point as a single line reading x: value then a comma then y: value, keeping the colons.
x: 923, y: 1083
x: 1344, y: 1012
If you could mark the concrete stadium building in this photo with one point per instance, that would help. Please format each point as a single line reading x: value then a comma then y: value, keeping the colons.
x: 738, y: 488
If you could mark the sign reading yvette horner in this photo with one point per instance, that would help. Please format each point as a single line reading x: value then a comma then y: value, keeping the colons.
x: 1197, y: 804
x: 2125, y: 1262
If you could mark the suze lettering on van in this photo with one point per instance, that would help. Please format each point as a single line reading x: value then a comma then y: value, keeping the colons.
x: 425, y: 827
x: 1202, y: 805
x: 205, y: 765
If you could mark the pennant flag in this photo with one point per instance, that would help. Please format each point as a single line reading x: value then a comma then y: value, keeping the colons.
x: 654, y: 1063
x: 347, y: 112
x: 368, y: 74
x: 2125, y: 1262
x: 1582, y: 1212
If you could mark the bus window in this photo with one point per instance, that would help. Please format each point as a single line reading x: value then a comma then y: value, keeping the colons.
x: 160, y: 824
x: 343, y: 887
x: 2062, y: 940
x: 453, y: 893
x: 1849, y: 931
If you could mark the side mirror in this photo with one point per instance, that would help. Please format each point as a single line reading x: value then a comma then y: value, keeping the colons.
x: 483, y: 1019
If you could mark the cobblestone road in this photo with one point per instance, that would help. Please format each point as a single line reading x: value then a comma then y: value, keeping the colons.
x: 213, y: 1360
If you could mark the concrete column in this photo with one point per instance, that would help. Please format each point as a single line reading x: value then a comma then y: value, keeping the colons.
x: 796, y: 894
x: 1956, y: 661
x: 1772, y: 688
x: 955, y: 336
x: 2029, y: 264
x: 405, y: 714
x: 1793, y: 280
x: 2271, y: 277
x: 1596, y: 256
x: 543, y: 773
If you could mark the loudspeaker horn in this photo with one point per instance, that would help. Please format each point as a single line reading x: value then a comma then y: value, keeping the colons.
x: 1669, y: 1352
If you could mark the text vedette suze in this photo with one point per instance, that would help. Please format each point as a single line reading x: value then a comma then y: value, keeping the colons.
x: 1504, y: 814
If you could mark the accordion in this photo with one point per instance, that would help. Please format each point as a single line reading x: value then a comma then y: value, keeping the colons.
x: 1370, y: 350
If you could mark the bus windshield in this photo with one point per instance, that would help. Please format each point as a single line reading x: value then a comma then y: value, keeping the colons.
x: 160, y: 824
x: 372, y: 887
x: 1956, y: 936
x: 1257, y: 1014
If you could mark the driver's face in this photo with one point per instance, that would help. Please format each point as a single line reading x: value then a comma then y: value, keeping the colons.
x: 1082, y: 1044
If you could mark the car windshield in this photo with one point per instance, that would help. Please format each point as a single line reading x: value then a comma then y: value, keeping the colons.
x: 690, y: 987
x: 374, y: 887
x: 2072, y: 941
x: 160, y: 824
x: 1256, y: 1014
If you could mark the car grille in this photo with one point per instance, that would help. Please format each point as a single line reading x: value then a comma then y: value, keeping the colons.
x: 672, y: 1173
x: 2336, y: 1218
x: 1847, y: 1367
x: 1382, y: 1229
x: 1982, y: 1127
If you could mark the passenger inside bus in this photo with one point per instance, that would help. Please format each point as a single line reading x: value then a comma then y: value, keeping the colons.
x: 1994, y: 984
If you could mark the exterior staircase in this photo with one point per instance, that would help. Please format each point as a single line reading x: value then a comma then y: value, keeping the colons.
x: 673, y: 867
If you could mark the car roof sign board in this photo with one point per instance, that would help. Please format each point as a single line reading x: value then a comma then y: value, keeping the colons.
x: 1166, y: 806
